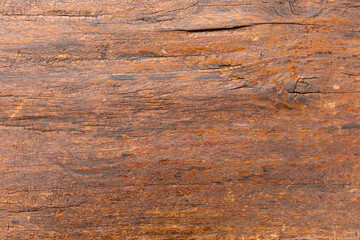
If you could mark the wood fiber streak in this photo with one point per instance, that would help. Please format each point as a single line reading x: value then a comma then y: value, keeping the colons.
x: 169, y: 119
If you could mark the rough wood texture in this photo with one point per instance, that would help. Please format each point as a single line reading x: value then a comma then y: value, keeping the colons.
x: 169, y: 119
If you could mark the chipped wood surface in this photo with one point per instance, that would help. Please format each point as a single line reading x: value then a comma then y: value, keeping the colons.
x: 204, y: 119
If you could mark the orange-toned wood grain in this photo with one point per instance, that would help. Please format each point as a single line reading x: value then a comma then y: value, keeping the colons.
x: 206, y: 119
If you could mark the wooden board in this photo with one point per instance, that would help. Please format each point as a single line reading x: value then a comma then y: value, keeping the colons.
x: 193, y: 119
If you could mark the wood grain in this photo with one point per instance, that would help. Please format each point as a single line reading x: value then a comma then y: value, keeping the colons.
x: 193, y: 119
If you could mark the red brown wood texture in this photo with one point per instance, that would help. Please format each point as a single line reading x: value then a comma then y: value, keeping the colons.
x: 196, y: 119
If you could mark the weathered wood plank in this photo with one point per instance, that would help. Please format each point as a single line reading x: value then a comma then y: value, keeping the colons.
x: 179, y: 119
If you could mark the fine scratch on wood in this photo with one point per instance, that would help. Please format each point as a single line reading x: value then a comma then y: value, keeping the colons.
x: 18, y: 108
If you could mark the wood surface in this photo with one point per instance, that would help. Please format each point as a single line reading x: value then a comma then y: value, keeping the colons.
x: 169, y: 119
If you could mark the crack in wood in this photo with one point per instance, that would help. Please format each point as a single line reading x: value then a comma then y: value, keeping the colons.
x: 236, y: 27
